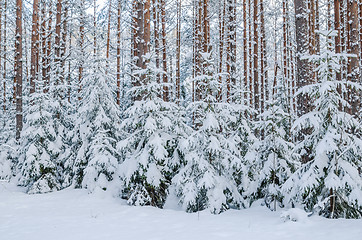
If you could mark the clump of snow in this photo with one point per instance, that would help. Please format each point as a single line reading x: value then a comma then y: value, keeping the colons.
x: 294, y: 215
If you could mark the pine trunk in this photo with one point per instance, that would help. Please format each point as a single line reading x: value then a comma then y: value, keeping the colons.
x: 108, y: 34
x: 119, y: 7
x: 303, y: 72
x: 178, y: 52
x: 19, y: 68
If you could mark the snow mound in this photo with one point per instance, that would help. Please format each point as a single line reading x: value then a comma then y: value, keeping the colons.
x: 294, y: 215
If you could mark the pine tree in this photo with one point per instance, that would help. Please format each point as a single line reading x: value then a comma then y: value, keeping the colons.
x: 270, y: 160
x: 97, y: 132
x: 208, y: 177
x: 38, y: 162
x: 152, y: 130
x: 330, y: 184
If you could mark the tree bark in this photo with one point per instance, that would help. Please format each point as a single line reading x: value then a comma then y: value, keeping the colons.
x: 178, y: 52
x: 108, y: 34
x: 119, y: 6
x: 303, y: 73
x: 164, y: 51
x: 19, y: 68
x: 256, y: 56
x: 34, y: 70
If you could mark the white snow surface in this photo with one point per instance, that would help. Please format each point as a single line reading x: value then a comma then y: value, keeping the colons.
x: 75, y: 214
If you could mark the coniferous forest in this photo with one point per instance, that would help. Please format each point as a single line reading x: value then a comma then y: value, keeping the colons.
x: 218, y: 102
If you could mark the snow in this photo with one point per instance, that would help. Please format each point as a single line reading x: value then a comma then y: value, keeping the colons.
x: 75, y: 214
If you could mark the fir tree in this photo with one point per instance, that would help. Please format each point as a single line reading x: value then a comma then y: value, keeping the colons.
x: 38, y: 162
x: 97, y: 132
x: 270, y: 159
x: 330, y: 184
x: 152, y: 128
x: 212, y: 157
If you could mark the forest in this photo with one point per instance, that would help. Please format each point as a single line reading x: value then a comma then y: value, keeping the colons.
x: 218, y: 102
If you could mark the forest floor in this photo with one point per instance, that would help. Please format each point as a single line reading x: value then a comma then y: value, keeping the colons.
x: 76, y: 215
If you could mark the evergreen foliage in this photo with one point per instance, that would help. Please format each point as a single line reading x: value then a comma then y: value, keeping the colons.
x: 330, y: 184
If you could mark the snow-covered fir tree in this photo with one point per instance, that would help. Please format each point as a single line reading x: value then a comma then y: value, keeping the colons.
x: 96, y: 132
x: 38, y: 163
x: 331, y: 183
x: 151, y: 130
x: 208, y: 176
x: 7, y: 146
x: 270, y: 159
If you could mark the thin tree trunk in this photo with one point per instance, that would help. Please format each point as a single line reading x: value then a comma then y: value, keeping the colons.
x: 264, y: 72
x: 245, y: 55
x: 1, y: 56
x: 221, y: 45
x: 95, y: 28
x: 81, y: 47
x: 19, y: 68
x: 156, y: 18
x: 251, y: 98
x: 256, y: 55
x: 49, y: 47
x: 108, y: 34
x: 5, y: 50
x: 178, y: 52
x: 164, y: 51
x: 119, y: 6
x: 34, y: 70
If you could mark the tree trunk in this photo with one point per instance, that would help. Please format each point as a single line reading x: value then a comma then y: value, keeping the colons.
x: 1, y: 56
x: 245, y: 54
x: 108, y: 34
x: 34, y: 70
x: 49, y: 47
x: 256, y: 55
x: 81, y: 48
x: 19, y: 68
x: 303, y: 73
x: 164, y: 51
x: 5, y: 50
x: 264, y: 72
x: 95, y: 28
x: 119, y: 6
x: 354, y: 62
x: 178, y: 52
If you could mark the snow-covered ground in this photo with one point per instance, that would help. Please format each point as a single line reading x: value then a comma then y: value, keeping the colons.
x: 75, y: 214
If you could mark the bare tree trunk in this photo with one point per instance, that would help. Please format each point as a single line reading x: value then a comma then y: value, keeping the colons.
x: 156, y: 33
x: 164, y: 51
x: 5, y: 50
x: 337, y: 26
x: 256, y: 55
x: 245, y: 54
x: 64, y: 40
x: 108, y: 34
x: 95, y: 28
x: 34, y: 71
x: 81, y: 47
x: 303, y: 72
x: 354, y: 62
x: 221, y: 45
x: 19, y: 68
x: 49, y: 47
x: 231, y: 46
x: 251, y: 98
x: 119, y: 6
x: 178, y: 52
x: 140, y: 38
x: 264, y: 72
x: 1, y: 56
